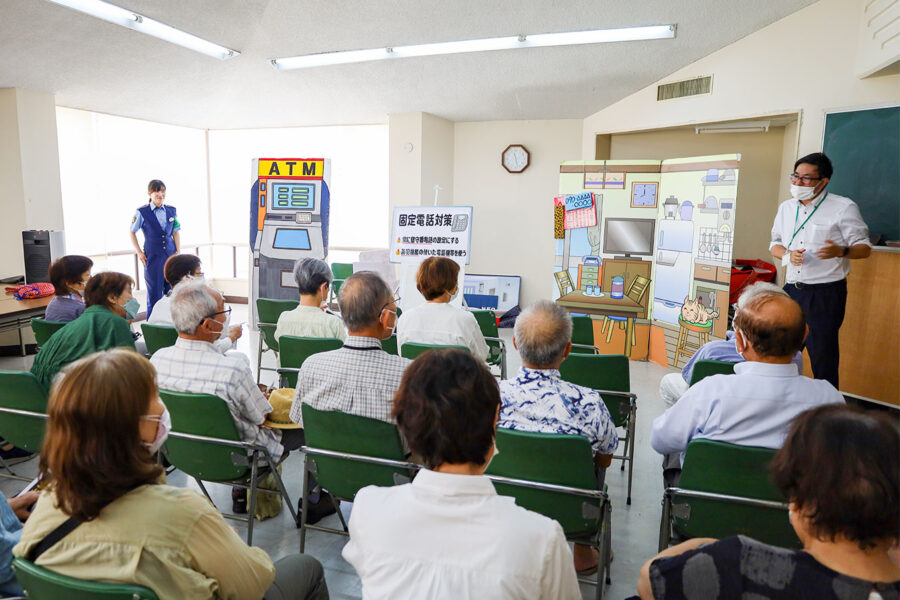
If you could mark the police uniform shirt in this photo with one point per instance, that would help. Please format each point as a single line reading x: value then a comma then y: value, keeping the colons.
x: 837, y: 219
x: 138, y: 220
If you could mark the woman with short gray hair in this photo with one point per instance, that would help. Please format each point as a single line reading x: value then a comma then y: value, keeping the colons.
x: 313, y: 277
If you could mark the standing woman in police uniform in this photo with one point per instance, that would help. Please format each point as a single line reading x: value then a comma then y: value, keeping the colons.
x: 161, y: 240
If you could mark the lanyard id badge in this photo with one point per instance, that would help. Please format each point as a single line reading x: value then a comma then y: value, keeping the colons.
x: 797, y: 216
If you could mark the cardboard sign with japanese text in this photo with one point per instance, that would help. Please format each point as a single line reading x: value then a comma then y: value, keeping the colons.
x: 418, y: 232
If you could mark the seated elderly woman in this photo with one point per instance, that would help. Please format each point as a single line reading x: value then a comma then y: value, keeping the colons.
x: 118, y: 522
x: 309, y: 319
x: 448, y: 534
x: 838, y: 467
x: 100, y: 327
x: 68, y: 274
x: 437, y: 321
x: 185, y: 267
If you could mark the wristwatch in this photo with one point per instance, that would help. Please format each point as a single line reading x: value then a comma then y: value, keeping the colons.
x: 846, y: 251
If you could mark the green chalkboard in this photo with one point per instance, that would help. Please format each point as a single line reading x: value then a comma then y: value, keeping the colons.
x: 864, y: 146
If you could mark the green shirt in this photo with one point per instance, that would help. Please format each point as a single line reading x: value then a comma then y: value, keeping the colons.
x: 98, y: 328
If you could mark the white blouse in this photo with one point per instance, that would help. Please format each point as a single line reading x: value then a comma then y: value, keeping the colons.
x: 452, y: 536
x: 441, y: 323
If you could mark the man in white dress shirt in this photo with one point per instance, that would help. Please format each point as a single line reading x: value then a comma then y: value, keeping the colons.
x: 755, y: 406
x: 815, y: 235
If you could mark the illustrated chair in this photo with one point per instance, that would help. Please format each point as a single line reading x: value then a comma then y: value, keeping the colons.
x: 583, y: 335
x: 204, y: 444
x: 487, y: 322
x: 411, y: 350
x: 684, y: 346
x: 43, y: 584
x: 293, y: 352
x: 23, y: 414
x: 563, y: 282
x: 725, y: 490
x: 636, y: 291
x: 346, y: 453
x: 554, y: 475
x: 158, y: 336
x: 705, y: 368
x: 268, y: 311
x: 608, y: 374
x: 43, y: 329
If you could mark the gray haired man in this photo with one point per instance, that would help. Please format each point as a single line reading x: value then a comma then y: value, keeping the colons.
x: 309, y: 319
x: 360, y: 378
x: 674, y: 385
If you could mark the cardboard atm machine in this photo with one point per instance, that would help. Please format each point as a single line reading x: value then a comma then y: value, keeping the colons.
x: 288, y: 220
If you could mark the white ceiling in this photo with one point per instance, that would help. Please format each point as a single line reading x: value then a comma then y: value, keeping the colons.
x: 98, y: 66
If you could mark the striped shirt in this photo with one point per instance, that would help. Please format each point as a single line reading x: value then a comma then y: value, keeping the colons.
x: 198, y: 368
x: 359, y: 379
x: 537, y: 400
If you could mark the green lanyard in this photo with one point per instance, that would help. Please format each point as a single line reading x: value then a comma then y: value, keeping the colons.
x: 797, y: 215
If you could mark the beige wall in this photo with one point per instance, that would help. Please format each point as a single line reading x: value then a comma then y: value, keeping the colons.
x: 758, y: 183
x: 512, y: 229
x: 758, y: 75
x: 437, y: 159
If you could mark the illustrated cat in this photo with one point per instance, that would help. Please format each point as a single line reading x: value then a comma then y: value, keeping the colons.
x: 693, y: 311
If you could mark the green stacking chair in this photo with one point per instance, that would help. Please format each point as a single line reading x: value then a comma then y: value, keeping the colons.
x: 608, y: 374
x: 341, y: 272
x: 23, y: 414
x: 389, y: 345
x: 725, y: 490
x: 44, y: 584
x: 583, y: 335
x: 43, y: 329
x: 487, y: 321
x: 293, y: 352
x: 554, y: 475
x: 705, y: 368
x: 268, y: 311
x: 411, y: 350
x: 204, y: 444
x: 158, y: 336
x: 346, y: 453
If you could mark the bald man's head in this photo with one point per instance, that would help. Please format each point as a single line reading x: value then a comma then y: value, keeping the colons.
x: 773, y: 325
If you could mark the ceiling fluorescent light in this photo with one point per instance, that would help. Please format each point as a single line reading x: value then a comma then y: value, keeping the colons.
x: 480, y: 45
x: 743, y: 127
x: 132, y: 20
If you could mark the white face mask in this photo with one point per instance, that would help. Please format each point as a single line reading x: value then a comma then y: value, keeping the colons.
x: 802, y: 193
x: 496, y: 452
x: 738, y: 332
x: 164, y: 425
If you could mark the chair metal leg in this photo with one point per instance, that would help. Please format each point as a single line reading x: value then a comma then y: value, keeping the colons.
x: 251, y: 504
x: 630, y: 450
x: 503, y: 362
x: 281, y: 488
x: 259, y: 357
x: 6, y: 466
x: 340, y: 515
x: 664, y: 524
x: 205, y: 493
x: 304, y: 495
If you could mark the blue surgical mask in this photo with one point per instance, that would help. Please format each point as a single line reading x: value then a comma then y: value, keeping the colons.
x: 131, y: 307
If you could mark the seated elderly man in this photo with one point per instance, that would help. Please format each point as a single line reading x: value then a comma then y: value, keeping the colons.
x: 755, y: 406
x: 194, y: 365
x: 360, y: 378
x: 538, y: 400
x: 674, y: 385
x: 309, y: 319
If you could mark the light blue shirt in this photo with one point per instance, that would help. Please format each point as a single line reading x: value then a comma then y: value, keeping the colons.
x: 538, y: 400
x: 160, y: 213
x: 753, y: 407
x: 726, y: 351
x: 10, y: 534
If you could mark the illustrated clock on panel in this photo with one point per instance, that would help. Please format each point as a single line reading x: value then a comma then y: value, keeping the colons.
x: 515, y: 158
x: 644, y: 193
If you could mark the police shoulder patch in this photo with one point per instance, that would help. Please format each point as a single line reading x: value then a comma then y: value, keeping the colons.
x: 133, y: 220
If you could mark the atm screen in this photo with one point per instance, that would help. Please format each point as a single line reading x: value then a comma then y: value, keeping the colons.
x: 291, y: 239
x: 293, y: 195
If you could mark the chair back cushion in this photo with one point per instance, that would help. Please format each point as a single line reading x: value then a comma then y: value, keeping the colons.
x: 294, y: 350
x: 705, y: 368
x: 44, y: 584
x: 352, y: 434
x: 722, y: 468
x: 208, y: 416
x: 20, y: 390
x: 549, y: 458
x: 268, y: 310
x: 602, y: 372
x: 412, y: 350
x: 158, y: 336
x: 582, y: 330
x: 43, y: 329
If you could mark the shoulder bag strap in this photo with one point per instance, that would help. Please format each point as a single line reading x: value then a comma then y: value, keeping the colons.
x: 51, y: 538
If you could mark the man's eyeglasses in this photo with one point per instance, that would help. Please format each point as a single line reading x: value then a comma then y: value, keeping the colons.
x: 396, y: 301
x: 226, y: 312
x: 803, y: 178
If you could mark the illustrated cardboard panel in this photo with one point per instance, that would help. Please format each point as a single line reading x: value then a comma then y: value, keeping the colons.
x: 660, y: 252
x: 290, y: 202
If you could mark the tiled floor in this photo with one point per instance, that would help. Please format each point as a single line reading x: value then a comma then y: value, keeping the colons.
x: 635, y: 528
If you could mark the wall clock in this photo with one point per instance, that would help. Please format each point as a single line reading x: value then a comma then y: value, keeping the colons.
x: 643, y: 194
x: 515, y: 158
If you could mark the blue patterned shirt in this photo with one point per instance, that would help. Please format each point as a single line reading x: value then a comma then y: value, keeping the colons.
x: 539, y: 400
